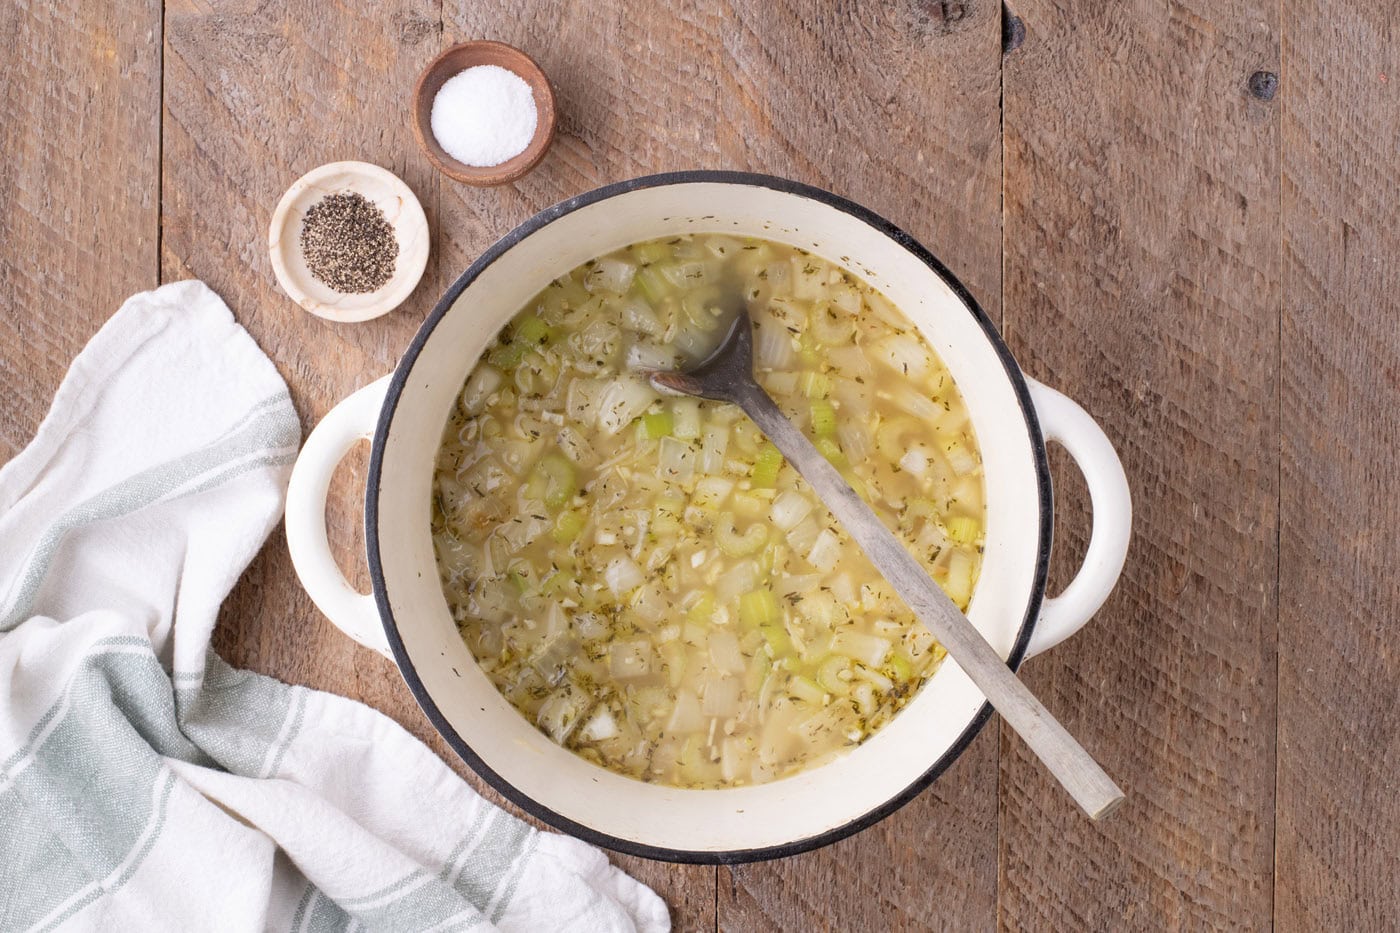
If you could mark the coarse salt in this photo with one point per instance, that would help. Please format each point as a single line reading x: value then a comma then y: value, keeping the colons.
x: 484, y: 115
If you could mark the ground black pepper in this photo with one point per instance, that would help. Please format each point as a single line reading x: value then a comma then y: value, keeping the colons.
x: 348, y: 243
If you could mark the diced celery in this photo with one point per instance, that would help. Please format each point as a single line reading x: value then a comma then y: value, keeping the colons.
x: 766, y: 466
x: 829, y: 671
x: 823, y: 417
x: 506, y: 356
x: 703, y: 610
x: 757, y: 673
x: 568, y: 525
x: 556, y: 581
x: 557, y: 480
x: 814, y: 384
x: 901, y: 667
x: 963, y: 529
x: 530, y: 331
x: 651, y: 251
x: 735, y: 544
x: 653, y: 285
x: 750, y: 505
x: 658, y: 424
x: 759, y: 608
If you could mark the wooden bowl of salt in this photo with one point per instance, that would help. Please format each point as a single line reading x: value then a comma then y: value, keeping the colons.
x: 483, y: 113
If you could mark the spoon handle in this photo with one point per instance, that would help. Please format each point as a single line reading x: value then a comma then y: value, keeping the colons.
x: 1065, y: 758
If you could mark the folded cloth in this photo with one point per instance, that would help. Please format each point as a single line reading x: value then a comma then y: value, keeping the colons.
x: 147, y: 785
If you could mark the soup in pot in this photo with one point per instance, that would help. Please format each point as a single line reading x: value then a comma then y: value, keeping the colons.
x: 643, y: 577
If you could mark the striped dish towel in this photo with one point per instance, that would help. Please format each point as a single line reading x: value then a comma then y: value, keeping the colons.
x: 145, y: 784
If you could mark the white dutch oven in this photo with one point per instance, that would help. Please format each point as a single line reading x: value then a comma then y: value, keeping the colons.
x: 407, y: 617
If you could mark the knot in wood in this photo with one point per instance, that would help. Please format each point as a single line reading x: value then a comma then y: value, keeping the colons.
x: 1263, y: 85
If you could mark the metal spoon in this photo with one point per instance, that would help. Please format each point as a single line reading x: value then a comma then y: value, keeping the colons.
x: 727, y: 376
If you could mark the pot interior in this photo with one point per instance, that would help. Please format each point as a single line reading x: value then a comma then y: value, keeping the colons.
x: 553, y: 783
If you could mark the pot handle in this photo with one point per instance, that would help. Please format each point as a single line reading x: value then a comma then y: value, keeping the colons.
x: 352, y: 612
x: 1064, y: 422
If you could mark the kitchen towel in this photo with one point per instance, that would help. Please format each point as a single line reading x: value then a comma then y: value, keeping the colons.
x: 147, y: 785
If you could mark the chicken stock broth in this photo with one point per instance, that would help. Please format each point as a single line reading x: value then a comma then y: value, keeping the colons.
x: 643, y: 577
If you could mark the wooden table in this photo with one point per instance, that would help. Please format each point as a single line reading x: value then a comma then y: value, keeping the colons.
x: 1204, y: 258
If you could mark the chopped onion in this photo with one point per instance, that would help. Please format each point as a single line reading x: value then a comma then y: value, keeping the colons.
x: 880, y: 306
x: 804, y: 535
x: 724, y: 652
x: 799, y: 585
x: 915, y: 460
x: 686, y: 715
x: 686, y: 412
x: 850, y: 360
x: 621, y: 402
x: 637, y: 317
x: 560, y: 713
x: 597, y: 341
x: 623, y: 575
x: 629, y: 660
x: 846, y: 298
x: 781, y: 383
x: 773, y: 347
x: 573, y: 445
x: 721, y: 697
x: 650, y: 603
x: 710, y: 492
x: 649, y: 356
x: 582, y: 399
x: 714, y: 443
x: 735, y: 758
x: 854, y: 439
x: 856, y: 401
x: 825, y: 552
x: 960, y: 457
x: 904, y: 354
x: 740, y: 579
x: 589, y: 625
x: 867, y: 649
x: 789, y: 509
x: 917, y: 405
x: 677, y: 459
x: 483, y: 381
x: 613, y: 275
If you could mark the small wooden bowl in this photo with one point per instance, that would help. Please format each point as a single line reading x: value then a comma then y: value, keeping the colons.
x: 380, y: 187
x: 468, y: 55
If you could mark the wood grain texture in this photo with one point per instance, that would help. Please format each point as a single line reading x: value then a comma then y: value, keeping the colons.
x: 1339, y: 590
x: 1141, y: 260
x: 254, y: 97
x: 80, y: 138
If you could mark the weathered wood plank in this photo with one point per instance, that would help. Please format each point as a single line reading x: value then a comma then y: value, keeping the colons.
x: 255, y: 96
x: 80, y: 137
x: 1141, y: 227
x: 1339, y: 587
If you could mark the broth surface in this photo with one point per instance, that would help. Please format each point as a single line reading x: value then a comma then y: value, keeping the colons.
x: 643, y: 577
